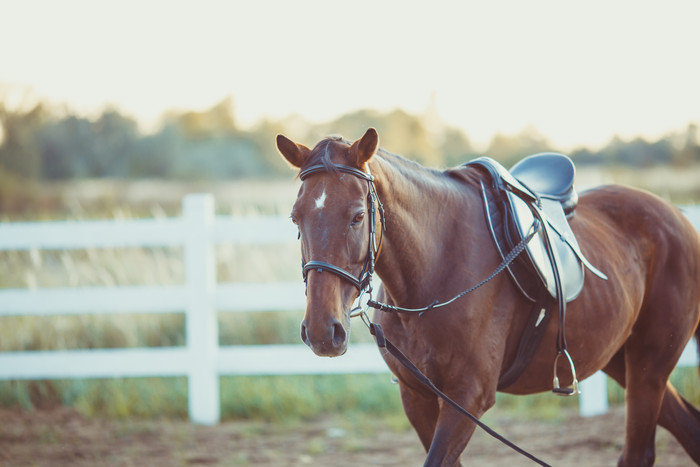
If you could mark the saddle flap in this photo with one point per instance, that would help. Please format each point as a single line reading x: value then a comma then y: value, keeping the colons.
x: 560, y: 237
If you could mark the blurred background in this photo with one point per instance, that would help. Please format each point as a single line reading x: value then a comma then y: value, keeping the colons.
x: 96, y: 99
x: 116, y: 110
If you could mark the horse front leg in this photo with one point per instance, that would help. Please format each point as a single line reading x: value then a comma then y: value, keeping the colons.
x: 421, y: 408
x: 454, y: 430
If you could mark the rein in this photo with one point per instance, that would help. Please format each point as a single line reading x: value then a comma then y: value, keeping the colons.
x: 363, y: 284
x: 509, y: 258
x: 382, y: 342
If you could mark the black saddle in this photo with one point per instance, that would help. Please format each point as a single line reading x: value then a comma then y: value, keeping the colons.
x: 538, y: 192
x: 549, y: 175
x: 537, y: 195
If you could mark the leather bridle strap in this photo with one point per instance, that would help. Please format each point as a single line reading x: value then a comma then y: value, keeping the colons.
x: 314, y: 169
x: 321, y: 266
x: 373, y: 204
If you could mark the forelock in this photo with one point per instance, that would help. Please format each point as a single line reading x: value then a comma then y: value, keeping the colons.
x: 322, y: 152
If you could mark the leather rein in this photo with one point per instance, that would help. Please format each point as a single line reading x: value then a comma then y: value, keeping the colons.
x: 364, y: 284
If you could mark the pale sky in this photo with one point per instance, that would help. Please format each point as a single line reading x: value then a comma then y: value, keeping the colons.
x: 579, y: 72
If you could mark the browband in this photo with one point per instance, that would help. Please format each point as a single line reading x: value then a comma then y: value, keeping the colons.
x: 314, y: 169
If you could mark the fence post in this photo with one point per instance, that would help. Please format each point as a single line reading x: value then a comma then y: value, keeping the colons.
x: 594, y: 395
x: 202, y: 334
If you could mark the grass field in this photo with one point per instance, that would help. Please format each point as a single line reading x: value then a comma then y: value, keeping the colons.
x: 267, y: 398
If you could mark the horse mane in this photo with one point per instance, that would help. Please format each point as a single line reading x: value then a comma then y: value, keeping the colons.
x: 321, y: 154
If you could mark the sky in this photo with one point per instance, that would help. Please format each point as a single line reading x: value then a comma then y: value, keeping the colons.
x: 578, y: 72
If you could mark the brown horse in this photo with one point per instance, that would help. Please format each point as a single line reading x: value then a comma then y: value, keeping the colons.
x: 435, y: 244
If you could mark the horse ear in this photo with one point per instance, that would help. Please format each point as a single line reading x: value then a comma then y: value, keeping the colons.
x: 293, y: 152
x: 366, y: 146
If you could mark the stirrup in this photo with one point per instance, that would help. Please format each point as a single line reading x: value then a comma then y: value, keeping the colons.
x: 574, y: 389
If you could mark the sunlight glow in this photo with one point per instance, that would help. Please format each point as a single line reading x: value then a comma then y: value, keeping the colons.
x: 578, y: 73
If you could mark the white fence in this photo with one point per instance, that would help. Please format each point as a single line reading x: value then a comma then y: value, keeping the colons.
x: 201, y: 359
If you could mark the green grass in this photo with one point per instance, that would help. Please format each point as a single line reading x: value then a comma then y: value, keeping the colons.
x: 550, y: 407
x: 292, y: 398
x: 269, y: 398
x: 113, y: 398
x: 284, y: 399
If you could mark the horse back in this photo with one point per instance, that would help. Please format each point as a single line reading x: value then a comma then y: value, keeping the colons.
x: 646, y: 246
x: 636, y: 219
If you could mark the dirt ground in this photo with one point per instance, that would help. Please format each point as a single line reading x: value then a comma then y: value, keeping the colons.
x: 63, y: 437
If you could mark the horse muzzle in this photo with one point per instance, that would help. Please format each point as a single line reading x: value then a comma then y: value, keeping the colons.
x: 326, y: 339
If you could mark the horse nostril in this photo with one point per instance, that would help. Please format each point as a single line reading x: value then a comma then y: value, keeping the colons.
x: 339, y: 334
x: 330, y: 340
x: 304, y: 338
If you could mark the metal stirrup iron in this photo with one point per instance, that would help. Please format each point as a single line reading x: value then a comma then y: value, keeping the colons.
x: 574, y: 389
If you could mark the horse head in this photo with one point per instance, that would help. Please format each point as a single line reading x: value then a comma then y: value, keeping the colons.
x: 335, y: 214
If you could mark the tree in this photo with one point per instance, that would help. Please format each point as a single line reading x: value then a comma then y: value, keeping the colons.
x: 399, y: 132
x: 689, y: 153
x: 510, y: 149
x: 114, y: 137
x: 77, y: 147
x: 638, y: 152
x: 456, y: 147
x: 20, y: 152
x: 214, y: 122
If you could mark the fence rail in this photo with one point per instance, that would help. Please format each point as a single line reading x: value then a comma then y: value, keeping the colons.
x: 201, y: 359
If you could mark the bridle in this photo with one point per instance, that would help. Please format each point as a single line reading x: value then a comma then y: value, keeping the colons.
x: 363, y: 283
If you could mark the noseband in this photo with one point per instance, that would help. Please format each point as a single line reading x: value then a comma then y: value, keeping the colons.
x: 363, y: 281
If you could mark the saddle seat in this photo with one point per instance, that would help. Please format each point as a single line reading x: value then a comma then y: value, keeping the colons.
x: 550, y: 175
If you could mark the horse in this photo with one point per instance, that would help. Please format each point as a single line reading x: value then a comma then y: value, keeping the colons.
x: 430, y: 241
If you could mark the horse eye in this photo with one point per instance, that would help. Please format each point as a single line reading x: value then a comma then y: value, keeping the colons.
x: 358, y: 218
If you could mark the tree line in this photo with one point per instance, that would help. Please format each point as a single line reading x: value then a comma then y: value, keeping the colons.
x: 39, y: 143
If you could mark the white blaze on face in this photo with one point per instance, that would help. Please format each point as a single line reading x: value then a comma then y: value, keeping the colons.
x: 321, y: 200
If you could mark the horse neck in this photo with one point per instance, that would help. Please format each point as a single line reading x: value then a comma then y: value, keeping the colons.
x: 420, y: 208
